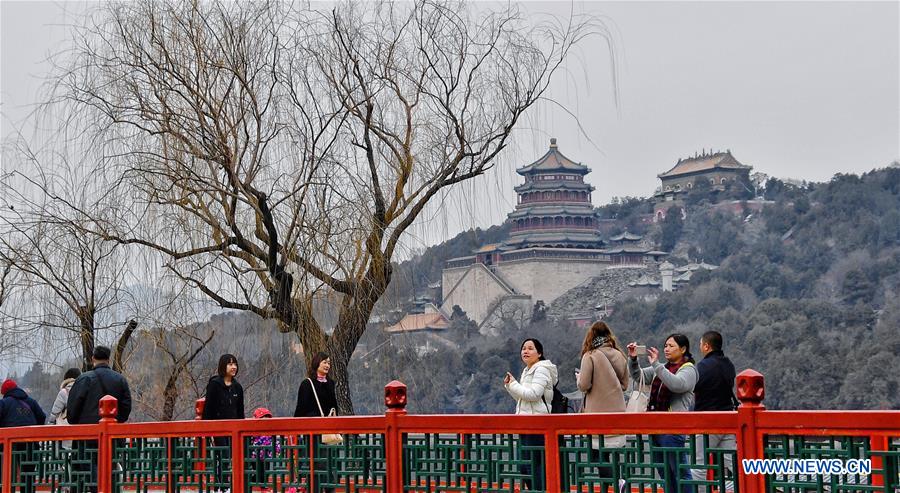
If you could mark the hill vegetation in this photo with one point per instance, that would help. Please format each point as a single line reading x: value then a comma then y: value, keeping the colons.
x: 806, y: 294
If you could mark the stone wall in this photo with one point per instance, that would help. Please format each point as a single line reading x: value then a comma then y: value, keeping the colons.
x: 547, y: 279
x: 474, y: 288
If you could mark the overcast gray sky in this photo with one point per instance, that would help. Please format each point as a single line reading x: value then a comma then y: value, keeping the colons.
x: 795, y: 89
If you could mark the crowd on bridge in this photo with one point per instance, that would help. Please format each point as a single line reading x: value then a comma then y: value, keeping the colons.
x: 677, y: 384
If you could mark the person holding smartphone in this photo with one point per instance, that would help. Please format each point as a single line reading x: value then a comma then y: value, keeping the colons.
x: 671, y: 389
x: 533, y: 392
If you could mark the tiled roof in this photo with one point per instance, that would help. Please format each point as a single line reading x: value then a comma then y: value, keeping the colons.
x: 555, y: 185
x: 420, y: 321
x: 554, y: 160
x: 536, y: 237
x: 626, y: 236
x: 552, y: 209
x: 488, y: 248
x: 719, y: 160
x: 693, y: 267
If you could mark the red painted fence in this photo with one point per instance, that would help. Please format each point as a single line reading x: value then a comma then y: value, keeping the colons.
x: 750, y: 424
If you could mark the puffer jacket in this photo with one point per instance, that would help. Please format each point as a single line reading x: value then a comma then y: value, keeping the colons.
x: 536, y: 382
x: 17, y: 409
x: 59, y: 405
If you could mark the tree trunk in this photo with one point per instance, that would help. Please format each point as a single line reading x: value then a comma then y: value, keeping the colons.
x: 119, y: 358
x: 86, y: 336
x: 170, y: 395
x: 351, y: 325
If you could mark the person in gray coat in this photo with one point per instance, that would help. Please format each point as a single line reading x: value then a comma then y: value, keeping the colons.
x: 671, y: 389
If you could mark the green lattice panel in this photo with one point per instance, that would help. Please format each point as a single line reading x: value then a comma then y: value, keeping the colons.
x: 485, y: 463
x: 718, y: 462
x: 140, y: 464
x: 51, y: 466
x: 817, y: 447
x: 282, y: 464
x: 638, y: 461
x: 275, y: 465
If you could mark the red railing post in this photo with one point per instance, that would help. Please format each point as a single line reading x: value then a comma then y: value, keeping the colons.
x: 109, y: 409
x: 551, y: 461
x: 199, y: 405
x: 878, y: 443
x: 237, y: 462
x: 7, y: 466
x: 395, y: 401
x: 751, y: 391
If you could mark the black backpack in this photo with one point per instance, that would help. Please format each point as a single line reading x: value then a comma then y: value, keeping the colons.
x: 559, y: 404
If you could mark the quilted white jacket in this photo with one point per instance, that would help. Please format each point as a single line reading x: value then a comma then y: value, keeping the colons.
x: 535, y: 382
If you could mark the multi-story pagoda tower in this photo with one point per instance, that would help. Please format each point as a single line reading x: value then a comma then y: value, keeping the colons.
x: 554, y: 205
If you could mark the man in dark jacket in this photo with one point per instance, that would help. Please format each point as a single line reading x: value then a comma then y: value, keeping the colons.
x: 83, y: 406
x: 714, y: 392
x: 17, y: 409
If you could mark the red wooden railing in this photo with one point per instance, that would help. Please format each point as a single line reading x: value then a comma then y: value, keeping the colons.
x: 751, y: 423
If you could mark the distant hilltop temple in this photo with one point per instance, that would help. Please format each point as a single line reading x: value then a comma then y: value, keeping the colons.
x: 554, y: 245
x: 718, y: 168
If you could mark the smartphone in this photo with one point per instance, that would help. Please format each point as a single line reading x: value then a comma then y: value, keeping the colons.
x: 640, y: 350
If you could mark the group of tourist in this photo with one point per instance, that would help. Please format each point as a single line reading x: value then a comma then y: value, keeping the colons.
x: 677, y: 384
x: 78, y: 402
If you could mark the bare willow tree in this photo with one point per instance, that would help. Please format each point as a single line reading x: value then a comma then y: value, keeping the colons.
x: 69, y: 282
x: 276, y: 154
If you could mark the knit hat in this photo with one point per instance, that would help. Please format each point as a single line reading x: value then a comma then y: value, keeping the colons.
x: 262, y: 412
x: 8, y: 385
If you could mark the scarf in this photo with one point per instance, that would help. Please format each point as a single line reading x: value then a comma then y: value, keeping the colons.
x: 660, y: 395
x: 322, y: 379
x: 598, y: 342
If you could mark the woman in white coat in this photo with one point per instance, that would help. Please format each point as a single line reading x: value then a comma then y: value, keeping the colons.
x: 533, y: 393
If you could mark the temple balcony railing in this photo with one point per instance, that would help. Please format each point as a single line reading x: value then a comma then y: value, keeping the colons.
x: 401, y: 452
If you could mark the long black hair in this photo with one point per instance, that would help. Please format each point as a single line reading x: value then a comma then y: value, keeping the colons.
x: 683, y: 343
x: 223, y: 364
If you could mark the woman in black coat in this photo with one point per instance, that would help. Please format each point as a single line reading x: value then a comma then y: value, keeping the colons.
x: 324, y: 389
x: 308, y: 407
x: 224, y: 400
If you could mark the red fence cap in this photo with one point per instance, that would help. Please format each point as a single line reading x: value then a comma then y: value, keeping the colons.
x: 109, y: 409
x: 395, y: 395
x: 751, y: 388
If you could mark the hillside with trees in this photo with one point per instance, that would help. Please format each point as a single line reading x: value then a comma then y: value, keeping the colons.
x: 806, y: 293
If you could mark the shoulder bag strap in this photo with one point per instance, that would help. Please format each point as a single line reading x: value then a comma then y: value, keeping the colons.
x: 316, y: 396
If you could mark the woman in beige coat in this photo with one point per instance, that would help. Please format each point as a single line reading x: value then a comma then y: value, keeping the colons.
x: 603, y: 378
